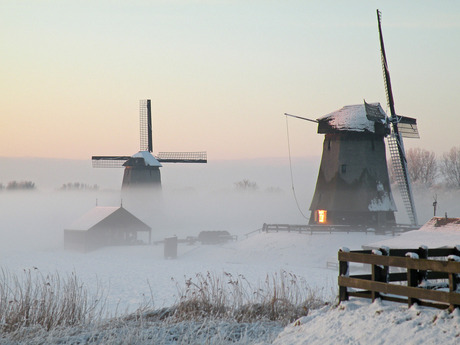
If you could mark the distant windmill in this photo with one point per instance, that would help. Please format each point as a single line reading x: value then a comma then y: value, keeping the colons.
x: 353, y: 186
x: 143, y: 168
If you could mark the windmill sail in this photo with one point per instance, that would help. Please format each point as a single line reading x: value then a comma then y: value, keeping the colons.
x: 395, y: 142
x: 145, y: 121
x: 109, y: 161
x: 182, y: 157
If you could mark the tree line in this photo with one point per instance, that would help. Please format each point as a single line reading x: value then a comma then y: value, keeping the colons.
x: 426, y: 169
x: 18, y: 185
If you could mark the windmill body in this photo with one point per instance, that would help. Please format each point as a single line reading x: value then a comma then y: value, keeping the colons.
x: 353, y: 186
x: 142, y: 170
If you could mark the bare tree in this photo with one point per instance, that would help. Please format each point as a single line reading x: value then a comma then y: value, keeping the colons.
x: 450, y: 166
x: 422, y: 166
x: 246, y: 185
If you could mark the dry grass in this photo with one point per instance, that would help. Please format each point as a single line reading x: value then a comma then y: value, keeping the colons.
x: 282, y: 297
x: 47, y: 301
x: 217, y: 309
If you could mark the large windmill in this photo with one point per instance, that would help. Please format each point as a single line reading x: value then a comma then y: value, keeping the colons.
x: 353, y: 186
x: 143, y: 168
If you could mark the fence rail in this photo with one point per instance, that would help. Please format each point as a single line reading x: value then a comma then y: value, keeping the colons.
x: 315, y: 228
x: 431, y: 276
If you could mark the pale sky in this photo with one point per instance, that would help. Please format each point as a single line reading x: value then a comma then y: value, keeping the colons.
x: 220, y: 73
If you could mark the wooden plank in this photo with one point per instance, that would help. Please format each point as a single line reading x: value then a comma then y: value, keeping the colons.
x: 418, y: 264
x: 431, y: 252
x: 391, y: 298
x: 402, y: 276
x: 360, y: 294
x: 413, y: 292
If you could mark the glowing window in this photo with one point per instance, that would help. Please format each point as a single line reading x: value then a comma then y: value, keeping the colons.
x: 322, y: 216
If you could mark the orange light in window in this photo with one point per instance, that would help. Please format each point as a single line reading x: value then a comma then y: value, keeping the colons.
x: 322, y: 216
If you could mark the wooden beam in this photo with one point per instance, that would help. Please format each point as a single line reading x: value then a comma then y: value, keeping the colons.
x: 417, y: 264
x: 413, y: 292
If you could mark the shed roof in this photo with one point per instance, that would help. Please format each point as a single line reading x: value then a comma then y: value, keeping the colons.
x: 92, y: 217
x: 353, y: 118
x: 98, y: 214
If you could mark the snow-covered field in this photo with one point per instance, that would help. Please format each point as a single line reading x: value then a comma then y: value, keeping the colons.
x: 31, y: 227
x: 128, y: 275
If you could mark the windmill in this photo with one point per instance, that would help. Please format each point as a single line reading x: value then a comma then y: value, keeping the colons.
x: 143, y: 168
x: 353, y: 185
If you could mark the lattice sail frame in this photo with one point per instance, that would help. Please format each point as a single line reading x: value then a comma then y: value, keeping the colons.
x: 146, y: 144
x: 395, y: 142
x: 182, y: 157
x: 109, y: 161
x: 145, y: 123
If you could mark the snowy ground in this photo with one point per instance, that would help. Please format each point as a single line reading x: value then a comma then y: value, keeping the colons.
x: 128, y: 275
x: 32, y: 227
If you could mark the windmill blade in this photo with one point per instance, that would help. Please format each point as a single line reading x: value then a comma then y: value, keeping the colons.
x: 399, y: 164
x: 109, y: 161
x: 386, y: 72
x: 395, y: 143
x: 145, y: 121
x: 407, y: 127
x: 182, y: 157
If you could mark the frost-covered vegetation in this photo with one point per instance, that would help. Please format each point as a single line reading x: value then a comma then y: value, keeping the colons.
x: 37, y: 309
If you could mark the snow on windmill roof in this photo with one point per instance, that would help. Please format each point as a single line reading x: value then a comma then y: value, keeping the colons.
x: 354, y: 118
x: 148, y: 158
x: 92, y: 217
x: 438, y: 232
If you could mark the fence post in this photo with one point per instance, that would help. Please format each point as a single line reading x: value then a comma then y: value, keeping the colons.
x: 453, y: 280
x: 423, y: 254
x: 378, y: 274
x: 386, y: 270
x: 412, y: 278
x: 343, y: 272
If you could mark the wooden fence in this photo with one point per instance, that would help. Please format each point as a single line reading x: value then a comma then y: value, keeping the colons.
x: 428, y: 277
x: 316, y: 228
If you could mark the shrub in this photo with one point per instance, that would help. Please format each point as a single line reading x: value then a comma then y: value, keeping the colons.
x: 46, y: 301
x: 281, y: 297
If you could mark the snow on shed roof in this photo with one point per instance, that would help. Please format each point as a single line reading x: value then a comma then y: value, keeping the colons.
x: 441, y: 224
x: 92, y: 217
x: 356, y: 118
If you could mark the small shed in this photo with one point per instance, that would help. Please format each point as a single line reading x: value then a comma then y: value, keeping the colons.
x: 104, y: 226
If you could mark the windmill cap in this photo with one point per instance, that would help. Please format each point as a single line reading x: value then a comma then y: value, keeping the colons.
x: 354, y: 118
x: 149, y: 159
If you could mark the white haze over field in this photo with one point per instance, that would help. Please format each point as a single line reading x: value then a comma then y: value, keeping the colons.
x: 194, y: 197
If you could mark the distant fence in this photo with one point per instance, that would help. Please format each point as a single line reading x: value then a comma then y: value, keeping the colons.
x: 430, y: 277
x: 315, y: 228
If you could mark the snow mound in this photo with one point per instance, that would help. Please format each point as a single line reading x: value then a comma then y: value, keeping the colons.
x: 362, y: 322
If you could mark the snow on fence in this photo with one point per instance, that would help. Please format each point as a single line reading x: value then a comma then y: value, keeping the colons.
x: 429, y: 277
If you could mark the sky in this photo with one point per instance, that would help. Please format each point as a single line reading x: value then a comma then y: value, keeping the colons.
x: 220, y: 74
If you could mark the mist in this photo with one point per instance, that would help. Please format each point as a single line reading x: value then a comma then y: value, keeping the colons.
x: 193, y: 198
